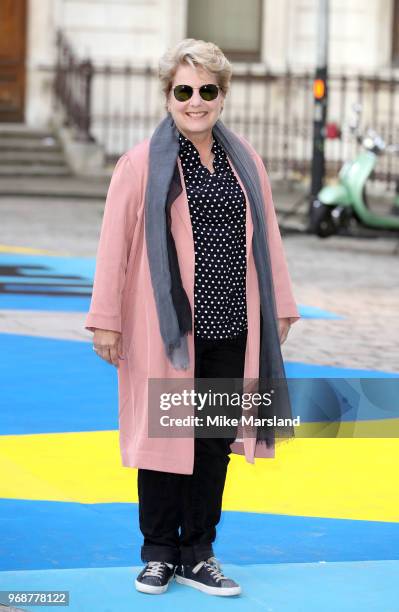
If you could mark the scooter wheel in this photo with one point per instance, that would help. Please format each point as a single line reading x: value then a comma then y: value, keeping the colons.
x: 321, y: 222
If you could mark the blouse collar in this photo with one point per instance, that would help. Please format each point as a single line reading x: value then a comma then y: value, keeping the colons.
x: 186, y: 146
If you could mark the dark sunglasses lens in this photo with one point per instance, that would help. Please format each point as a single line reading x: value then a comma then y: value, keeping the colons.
x: 183, y: 92
x: 209, y: 92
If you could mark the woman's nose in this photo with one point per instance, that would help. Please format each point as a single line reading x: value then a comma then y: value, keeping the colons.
x: 195, y: 99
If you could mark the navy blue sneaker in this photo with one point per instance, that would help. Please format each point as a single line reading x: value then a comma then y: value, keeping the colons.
x: 207, y: 576
x: 155, y: 577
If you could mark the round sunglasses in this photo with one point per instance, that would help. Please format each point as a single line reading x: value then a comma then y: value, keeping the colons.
x: 208, y: 92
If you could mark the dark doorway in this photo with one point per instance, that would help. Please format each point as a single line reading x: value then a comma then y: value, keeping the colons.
x: 12, y: 59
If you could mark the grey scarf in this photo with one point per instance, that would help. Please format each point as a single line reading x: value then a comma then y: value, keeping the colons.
x: 172, y: 304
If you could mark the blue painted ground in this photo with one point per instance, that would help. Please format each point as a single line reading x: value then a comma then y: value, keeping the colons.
x: 65, y: 284
x: 284, y: 563
x: 60, y: 535
x: 70, y: 389
x: 369, y: 586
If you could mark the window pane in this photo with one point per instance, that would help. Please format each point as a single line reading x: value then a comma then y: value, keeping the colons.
x: 395, y: 40
x: 231, y: 24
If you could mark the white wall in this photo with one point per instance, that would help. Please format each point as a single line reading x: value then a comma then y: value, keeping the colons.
x: 40, y: 54
x: 360, y: 34
x: 117, y: 31
x: 121, y: 31
x: 139, y: 31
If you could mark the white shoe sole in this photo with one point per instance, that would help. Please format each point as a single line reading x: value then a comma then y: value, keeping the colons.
x: 207, y: 589
x: 150, y: 589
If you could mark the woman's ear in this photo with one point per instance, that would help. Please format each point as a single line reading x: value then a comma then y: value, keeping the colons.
x: 223, y: 100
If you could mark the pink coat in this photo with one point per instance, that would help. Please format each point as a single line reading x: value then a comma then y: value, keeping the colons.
x: 123, y: 301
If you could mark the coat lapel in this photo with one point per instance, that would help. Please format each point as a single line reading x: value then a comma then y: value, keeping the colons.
x: 249, y: 227
x: 181, y: 204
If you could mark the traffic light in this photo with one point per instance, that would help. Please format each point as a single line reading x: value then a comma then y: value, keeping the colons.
x: 319, y: 89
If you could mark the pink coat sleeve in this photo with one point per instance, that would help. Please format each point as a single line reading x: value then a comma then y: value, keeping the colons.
x: 285, y: 302
x: 120, y: 214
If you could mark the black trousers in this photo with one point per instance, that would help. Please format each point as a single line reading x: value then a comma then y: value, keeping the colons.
x: 191, y: 503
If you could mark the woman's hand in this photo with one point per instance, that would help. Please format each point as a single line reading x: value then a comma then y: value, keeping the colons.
x: 283, y: 328
x: 108, y: 345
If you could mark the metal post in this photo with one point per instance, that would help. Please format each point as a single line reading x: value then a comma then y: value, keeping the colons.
x: 320, y: 101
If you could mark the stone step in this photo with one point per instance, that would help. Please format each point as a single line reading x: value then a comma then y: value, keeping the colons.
x: 21, y: 130
x: 79, y: 188
x: 41, y: 156
x: 30, y: 144
x: 34, y: 169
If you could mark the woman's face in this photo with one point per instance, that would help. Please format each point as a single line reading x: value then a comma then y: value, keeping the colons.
x: 196, y: 116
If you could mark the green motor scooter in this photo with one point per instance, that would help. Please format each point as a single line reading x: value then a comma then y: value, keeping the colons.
x: 336, y: 205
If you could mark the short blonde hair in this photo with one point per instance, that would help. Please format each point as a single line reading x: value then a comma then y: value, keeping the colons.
x: 195, y: 53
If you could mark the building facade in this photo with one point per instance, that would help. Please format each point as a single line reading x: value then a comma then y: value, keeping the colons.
x: 364, y: 36
x: 258, y: 36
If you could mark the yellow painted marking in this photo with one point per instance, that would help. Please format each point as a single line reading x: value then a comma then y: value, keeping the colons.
x: 336, y: 478
x: 5, y: 248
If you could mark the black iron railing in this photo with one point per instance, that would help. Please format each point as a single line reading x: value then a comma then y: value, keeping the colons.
x: 73, y: 87
x: 121, y: 105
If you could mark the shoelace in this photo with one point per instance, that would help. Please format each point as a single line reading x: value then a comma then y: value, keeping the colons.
x: 212, y: 566
x: 155, y: 568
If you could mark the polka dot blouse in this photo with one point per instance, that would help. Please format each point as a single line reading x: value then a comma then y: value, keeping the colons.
x: 217, y: 210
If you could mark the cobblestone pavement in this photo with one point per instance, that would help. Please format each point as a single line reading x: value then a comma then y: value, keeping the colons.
x: 355, y: 278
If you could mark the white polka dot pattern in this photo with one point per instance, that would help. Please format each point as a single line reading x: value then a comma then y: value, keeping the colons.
x: 217, y: 210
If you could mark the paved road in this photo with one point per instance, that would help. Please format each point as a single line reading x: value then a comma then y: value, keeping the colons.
x: 355, y: 278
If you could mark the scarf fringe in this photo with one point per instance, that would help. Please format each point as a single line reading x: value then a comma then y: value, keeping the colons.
x: 178, y: 353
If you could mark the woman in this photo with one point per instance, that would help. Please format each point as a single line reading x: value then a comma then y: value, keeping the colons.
x: 180, y: 291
